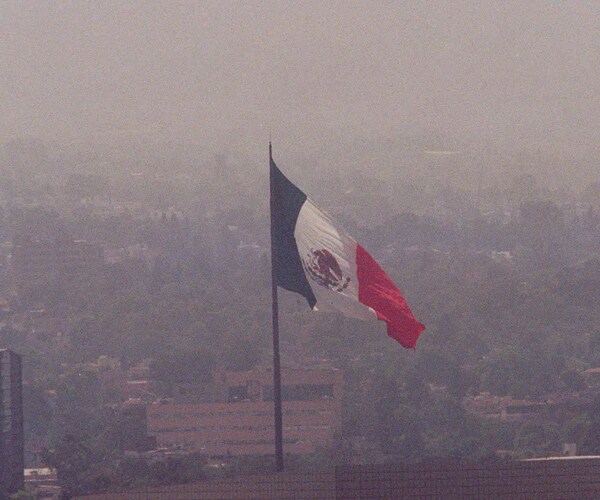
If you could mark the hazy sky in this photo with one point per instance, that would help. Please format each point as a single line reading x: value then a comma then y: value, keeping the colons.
x: 223, y: 72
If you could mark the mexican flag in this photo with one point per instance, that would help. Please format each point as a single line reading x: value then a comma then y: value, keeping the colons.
x: 314, y: 257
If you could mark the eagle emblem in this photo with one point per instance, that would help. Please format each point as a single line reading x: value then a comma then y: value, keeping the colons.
x: 322, y: 267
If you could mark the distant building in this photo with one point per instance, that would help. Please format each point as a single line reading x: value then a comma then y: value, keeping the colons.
x: 74, y: 256
x: 242, y: 422
x: 504, y: 407
x: 42, y: 482
x: 11, y: 424
x: 35, y: 262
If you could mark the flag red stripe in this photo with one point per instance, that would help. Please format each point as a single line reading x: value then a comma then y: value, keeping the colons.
x: 378, y: 291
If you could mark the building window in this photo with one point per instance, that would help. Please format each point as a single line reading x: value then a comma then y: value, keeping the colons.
x: 238, y: 393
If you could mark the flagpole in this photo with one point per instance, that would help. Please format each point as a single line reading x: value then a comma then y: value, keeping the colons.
x: 276, y: 358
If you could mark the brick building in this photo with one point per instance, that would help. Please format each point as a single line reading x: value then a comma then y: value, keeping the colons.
x: 242, y: 422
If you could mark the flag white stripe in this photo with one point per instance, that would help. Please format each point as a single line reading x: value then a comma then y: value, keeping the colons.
x: 316, y: 231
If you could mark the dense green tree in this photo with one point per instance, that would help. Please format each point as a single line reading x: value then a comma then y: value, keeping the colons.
x: 37, y: 411
x: 535, y: 438
x: 591, y: 441
x: 194, y: 367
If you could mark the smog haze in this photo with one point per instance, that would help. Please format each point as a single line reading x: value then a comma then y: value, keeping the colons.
x: 222, y: 75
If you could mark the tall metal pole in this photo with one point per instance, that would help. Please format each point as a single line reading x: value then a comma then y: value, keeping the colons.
x: 276, y: 359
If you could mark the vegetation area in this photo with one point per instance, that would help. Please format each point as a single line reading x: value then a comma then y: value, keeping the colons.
x: 510, y: 298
